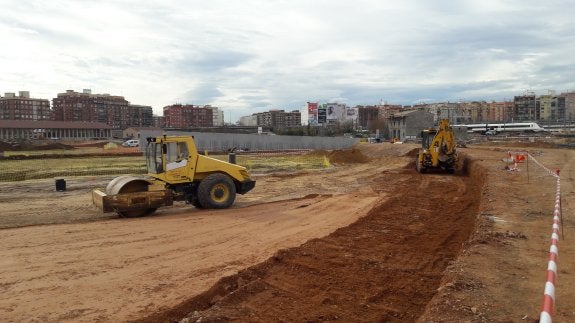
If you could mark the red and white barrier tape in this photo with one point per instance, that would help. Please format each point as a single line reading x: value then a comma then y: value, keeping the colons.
x: 549, y: 292
x: 552, y: 173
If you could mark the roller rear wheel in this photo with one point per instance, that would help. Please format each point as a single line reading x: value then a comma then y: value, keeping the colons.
x: 217, y: 191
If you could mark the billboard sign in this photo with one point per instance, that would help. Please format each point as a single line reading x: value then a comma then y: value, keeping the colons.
x: 332, y: 112
x: 312, y: 110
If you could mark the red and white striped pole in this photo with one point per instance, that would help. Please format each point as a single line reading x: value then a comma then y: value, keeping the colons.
x: 549, y: 292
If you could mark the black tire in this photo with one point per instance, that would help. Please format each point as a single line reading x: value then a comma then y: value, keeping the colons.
x: 217, y: 191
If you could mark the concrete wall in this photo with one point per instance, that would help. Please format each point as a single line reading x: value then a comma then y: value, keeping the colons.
x: 416, y: 122
x: 225, y: 141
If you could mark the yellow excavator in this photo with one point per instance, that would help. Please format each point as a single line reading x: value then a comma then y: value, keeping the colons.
x: 438, y: 149
x: 176, y: 172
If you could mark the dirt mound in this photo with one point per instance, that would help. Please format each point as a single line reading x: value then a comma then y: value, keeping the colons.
x: 347, y: 156
x: 53, y: 146
x: 381, y: 150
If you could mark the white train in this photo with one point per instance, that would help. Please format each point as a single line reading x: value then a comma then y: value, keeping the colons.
x: 492, y: 128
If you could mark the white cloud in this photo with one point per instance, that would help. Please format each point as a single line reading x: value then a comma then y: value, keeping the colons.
x: 246, y: 56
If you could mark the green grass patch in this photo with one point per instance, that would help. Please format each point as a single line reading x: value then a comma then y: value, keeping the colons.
x: 71, y: 152
x: 19, y: 170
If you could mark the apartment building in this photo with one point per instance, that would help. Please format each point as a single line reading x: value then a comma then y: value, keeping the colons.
x: 550, y: 108
x: 138, y: 116
x: 23, y: 107
x: 180, y: 116
x: 159, y: 121
x: 569, y: 106
x: 290, y: 119
x: 218, y: 116
x: 367, y: 115
x: 386, y: 110
x: 543, y: 106
x: 113, y: 110
x: 524, y: 107
x: 499, y: 111
x: 277, y: 119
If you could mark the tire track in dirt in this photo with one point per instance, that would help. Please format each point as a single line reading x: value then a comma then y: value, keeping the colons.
x: 385, y: 267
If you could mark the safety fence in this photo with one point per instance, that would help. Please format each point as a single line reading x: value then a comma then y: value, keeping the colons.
x: 548, y: 304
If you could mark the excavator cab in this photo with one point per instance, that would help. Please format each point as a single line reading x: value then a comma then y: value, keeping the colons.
x: 427, y: 137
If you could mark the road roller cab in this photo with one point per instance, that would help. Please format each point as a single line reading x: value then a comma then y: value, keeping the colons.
x: 175, y: 172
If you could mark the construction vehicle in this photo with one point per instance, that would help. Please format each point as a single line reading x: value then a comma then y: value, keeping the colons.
x: 438, y: 149
x: 176, y: 172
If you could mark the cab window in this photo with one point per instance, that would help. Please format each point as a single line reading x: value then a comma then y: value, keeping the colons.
x: 176, y: 152
x: 154, y: 158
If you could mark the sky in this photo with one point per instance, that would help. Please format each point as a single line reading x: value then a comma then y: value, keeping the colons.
x: 255, y: 55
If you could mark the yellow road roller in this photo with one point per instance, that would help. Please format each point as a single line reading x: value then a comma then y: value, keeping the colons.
x: 176, y: 172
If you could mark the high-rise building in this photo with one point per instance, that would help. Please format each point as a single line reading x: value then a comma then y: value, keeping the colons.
x: 386, y: 110
x: 543, y: 106
x: 113, y: 110
x: 138, y: 116
x: 500, y: 111
x: 277, y: 119
x: 291, y: 119
x: 188, y: 116
x: 159, y: 121
x: 550, y: 108
x: 367, y: 115
x: 23, y: 107
x: 525, y: 107
x: 569, y: 106
x: 249, y: 121
x: 218, y: 116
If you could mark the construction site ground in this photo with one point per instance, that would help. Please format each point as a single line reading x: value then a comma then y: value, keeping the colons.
x: 368, y: 239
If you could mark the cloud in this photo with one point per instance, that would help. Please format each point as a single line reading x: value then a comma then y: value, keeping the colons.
x: 207, y: 63
x: 202, y: 92
x: 255, y: 54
